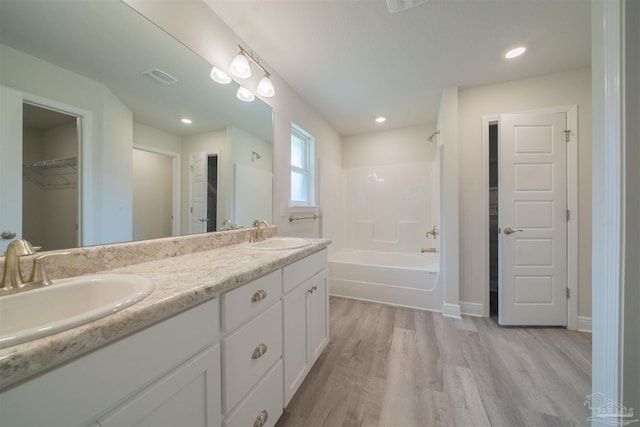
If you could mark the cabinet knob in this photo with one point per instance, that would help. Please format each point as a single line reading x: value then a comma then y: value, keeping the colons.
x: 259, y: 351
x: 262, y: 418
x: 259, y: 295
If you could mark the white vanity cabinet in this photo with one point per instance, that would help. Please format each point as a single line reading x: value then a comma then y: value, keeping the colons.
x: 168, y: 371
x: 306, y: 318
x: 252, y: 353
x: 231, y: 361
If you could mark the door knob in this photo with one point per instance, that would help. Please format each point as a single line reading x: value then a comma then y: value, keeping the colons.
x: 510, y: 230
x: 7, y: 234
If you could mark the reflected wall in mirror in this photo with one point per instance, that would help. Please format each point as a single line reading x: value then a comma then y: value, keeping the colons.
x: 142, y: 173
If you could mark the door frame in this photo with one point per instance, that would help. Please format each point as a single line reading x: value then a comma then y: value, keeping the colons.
x: 85, y: 154
x: 572, y: 205
x: 175, y: 183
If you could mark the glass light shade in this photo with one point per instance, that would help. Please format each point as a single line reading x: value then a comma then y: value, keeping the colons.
x: 265, y: 87
x: 219, y: 76
x: 245, y: 94
x: 240, y: 67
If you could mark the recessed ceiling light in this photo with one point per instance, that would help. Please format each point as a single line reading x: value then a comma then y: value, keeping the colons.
x: 381, y: 119
x: 186, y: 121
x: 515, y: 52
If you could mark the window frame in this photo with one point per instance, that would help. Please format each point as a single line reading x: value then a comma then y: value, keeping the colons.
x: 307, y: 170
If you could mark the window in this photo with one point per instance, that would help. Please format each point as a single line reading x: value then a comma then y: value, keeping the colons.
x: 302, y: 182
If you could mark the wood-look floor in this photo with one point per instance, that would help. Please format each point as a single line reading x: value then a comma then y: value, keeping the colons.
x: 397, y: 367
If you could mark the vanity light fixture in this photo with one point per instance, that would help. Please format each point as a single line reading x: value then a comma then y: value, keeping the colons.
x: 515, y: 52
x: 186, y: 121
x: 240, y: 65
x: 381, y: 119
x: 241, y: 68
x: 245, y: 94
x: 219, y: 76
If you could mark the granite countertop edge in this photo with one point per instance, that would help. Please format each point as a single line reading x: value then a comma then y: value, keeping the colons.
x: 181, y: 282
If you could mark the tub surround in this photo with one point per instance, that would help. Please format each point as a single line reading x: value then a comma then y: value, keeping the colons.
x: 186, y: 271
x: 402, y: 279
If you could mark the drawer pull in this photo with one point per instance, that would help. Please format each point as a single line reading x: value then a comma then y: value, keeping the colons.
x: 261, y: 419
x: 259, y: 295
x: 259, y: 351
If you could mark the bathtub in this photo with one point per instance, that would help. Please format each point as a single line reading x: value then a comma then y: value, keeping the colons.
x: 404, y: 279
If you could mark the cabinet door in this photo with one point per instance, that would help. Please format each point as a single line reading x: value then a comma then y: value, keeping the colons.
x: 189, y: 395
x: 295, y: 340
x: 318, y: 316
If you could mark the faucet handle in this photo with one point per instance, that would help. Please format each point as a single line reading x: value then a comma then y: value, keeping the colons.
x: 39, y: 273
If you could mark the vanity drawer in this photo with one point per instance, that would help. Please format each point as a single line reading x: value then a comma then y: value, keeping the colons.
x: 299, y: 271
x: 267, y: 397
x: 245, y: 302
x: 248, y: 353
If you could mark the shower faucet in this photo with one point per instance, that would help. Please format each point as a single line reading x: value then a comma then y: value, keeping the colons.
x: 434, y: 232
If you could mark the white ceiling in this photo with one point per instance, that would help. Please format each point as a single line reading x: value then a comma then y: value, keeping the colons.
x: 111, y: 43
x: 353, y: 60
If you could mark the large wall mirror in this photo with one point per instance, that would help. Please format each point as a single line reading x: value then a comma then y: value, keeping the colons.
x: 93, y: 149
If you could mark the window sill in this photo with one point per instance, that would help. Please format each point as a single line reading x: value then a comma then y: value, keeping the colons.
x: 303, y: 208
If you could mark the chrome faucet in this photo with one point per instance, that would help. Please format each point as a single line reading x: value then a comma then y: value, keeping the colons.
x: 257, y: 234
x: 434, y: 232
x: 228, y: 224
x: 12, y: 276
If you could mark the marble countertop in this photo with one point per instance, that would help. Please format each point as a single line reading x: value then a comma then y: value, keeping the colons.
x: 181, y: 282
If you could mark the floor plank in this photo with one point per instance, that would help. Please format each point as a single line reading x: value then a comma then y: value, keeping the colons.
x: 398, y: 367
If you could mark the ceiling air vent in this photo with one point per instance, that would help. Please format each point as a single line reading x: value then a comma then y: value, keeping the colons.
x: 400, y: 5
x: 159, y: 76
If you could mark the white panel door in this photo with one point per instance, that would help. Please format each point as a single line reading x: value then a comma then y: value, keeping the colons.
x: 10, y: 165
x: 532, y: 203
x: 198, y: 216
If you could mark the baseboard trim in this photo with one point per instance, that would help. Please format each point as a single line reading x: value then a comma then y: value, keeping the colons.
x: 451, y: 310
x: 472, y: 309
x: 584, y: 324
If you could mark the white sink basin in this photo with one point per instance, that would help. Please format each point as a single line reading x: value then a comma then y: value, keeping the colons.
x: 67, y: 303
x: 281, y: 243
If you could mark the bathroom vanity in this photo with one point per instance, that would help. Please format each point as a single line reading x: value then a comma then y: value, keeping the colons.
x: 225, y: 339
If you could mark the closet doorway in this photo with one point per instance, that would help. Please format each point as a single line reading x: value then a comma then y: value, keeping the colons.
x: 50, y: 191
x: 156, y: 193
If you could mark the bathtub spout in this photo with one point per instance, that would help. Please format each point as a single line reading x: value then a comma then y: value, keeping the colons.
x: 423, y: 250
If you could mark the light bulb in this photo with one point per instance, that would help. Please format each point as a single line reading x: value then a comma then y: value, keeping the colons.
x: 245, y: 94
x: 265, y: 87
x: 515, y: 52
x: 219, y: 76
x: 240, y: 67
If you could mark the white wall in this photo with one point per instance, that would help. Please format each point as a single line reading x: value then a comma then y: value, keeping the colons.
x: 195, y: 25
x: 449, y: 149
x: 631, y: 339
x: 156, y: 138
x: 389, y: 184
x: 566, y: 88
x: 250, y: 191
x: 111, y: 124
